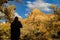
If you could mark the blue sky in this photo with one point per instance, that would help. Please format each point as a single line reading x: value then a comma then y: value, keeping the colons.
x: 24, y: 9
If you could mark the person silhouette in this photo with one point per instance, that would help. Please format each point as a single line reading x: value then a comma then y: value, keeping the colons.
x: 15, y: 29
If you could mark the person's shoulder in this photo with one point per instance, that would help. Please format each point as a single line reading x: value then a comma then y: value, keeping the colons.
x: 12, y: 23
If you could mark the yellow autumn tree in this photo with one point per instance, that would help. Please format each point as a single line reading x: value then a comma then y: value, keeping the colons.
x: 8, y: 10
x: 56, y: 10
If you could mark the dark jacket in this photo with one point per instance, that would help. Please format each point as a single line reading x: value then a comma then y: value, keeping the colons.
x: 15, y: 28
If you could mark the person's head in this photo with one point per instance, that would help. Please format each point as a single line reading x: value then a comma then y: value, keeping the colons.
x: 16, y: 18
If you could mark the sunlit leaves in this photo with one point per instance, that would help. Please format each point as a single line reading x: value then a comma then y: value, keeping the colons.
x: 9, y: 12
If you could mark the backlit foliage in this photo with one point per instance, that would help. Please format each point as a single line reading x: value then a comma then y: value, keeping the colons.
x: 37, y: 26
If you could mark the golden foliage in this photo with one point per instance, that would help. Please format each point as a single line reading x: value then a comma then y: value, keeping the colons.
x: 9, y: 12
x: 37, y: 26
x: 52, y: 6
